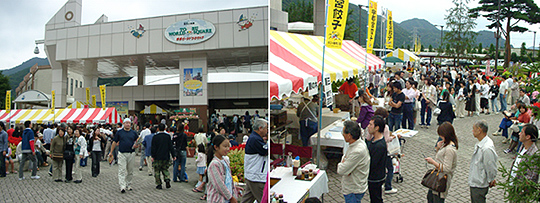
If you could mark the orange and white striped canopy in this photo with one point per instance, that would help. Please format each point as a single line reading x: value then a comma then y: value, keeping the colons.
x: 84, y: 115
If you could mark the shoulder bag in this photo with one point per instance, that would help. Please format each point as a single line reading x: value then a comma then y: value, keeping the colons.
x: 435, y: 180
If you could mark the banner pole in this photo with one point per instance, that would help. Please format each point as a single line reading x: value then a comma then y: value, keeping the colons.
x: 319, y: 123
x: 367, y: 38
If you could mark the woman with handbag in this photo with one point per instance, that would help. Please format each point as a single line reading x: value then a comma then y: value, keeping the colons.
x: 445, y: 162
x: 57, y: 153
x: 80, y: 153
x: 96, y: 145
x: 69, y: 153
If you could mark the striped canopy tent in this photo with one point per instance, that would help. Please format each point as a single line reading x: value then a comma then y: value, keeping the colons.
x: 84, y: 115
x: 76, y: 105
x: 404, y: 55
x: 296, y: 60
x: 153, y: 109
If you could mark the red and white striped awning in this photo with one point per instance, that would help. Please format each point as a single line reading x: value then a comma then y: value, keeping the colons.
x: 84, y: 115
x: 296, y: 60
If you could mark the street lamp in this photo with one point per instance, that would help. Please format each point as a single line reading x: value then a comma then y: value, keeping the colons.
x: 441, y: 48
x: 534, y: 43
x: 40, y: 41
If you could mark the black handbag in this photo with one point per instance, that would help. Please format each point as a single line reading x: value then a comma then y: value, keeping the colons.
x: 68, y: 155
x: 435, y: 180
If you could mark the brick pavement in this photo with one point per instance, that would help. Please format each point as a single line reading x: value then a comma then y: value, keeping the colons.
x: 104, y: 188
x: 414, y: 167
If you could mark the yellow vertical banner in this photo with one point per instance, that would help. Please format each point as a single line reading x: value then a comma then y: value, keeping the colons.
x: 372, y: 26
x: 94, y: 103
x: 8, y: 100
x: 53, y: 98
x: 102, y: 92
x: 336, y: 20
x: 418, y: 46
x: 87, y: 95
x: 390, y: 31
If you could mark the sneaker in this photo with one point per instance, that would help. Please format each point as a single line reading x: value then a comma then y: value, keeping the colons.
x: 168, y: 184
x: 140, y: 168
x: 497, y: 133
x: 34, y: 177
x: 159, y: 187
x: 122, y: 190
x: 505, y: 141
x: 506, y: 151
x: 58, y: 180
x: 497, y: 113
x: 392, y: 191
x: 50, y: 173
x: 129, y: 188
x: 21, y: 178
x: 150, y: 174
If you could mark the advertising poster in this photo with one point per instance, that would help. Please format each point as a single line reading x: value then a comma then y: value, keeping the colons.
x: 121, y: 106
x: 193, y: 82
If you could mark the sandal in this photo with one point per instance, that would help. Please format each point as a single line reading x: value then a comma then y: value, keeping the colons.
x: 203, y: 197
x: 196, y: 190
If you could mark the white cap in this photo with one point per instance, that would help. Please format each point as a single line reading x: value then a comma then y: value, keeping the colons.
x: 127, y: 120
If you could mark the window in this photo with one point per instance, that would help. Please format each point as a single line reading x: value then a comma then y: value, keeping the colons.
x: 80, y: 84
x: 76, y: 84
x: 71, y: 92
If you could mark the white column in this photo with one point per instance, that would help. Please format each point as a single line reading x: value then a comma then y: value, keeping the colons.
x: 193, y: 61
x: 318, y: 17
x: 141, y: 71
x: 58, y: 78
x: 90, y: 76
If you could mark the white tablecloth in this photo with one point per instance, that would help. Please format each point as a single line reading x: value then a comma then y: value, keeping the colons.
x: 330, y: 136
x: 293, y: 190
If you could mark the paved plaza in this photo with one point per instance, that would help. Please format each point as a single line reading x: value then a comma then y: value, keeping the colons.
x: 414, y: 167
x: 103, y: 188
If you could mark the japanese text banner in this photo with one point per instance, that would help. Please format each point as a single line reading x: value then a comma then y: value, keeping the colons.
x: 8, y: 100
x: 336, y: 21
x: 390, y: 31
x: 372, y: 26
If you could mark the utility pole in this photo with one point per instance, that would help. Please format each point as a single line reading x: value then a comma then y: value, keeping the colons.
x: 441, y: 48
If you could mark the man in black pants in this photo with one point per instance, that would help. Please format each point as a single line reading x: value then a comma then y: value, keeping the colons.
x: 378, y: 152
x: 162, y: 150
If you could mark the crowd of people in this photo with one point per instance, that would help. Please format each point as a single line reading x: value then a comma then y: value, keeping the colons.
x: 66, y: 147
x: 447, y: 93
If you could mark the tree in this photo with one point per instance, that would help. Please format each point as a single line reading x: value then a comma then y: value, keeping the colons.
x: 480, y: 51
x: 460, y: 24
x: 350, y: 29
x: 4, y: 86
x: 301, y: 11
x: 408, y: 47
x: 430, y: 48
x: 491, y: 51
x: 518, y: 10
x: 523, y: 52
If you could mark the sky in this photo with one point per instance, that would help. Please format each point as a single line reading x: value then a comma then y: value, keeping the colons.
x: 434, y: 11
x: 23, y: 21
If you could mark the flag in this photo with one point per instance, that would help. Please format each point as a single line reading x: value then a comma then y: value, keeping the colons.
x: 94, y: 103
x: 53, y: 98
x: 336, y: 20
x: 372, y: 25
x: 389, y: 31
x: 8, y: 100
x: 417, y: 45
x: 87, y: 95
x: 102, y: 92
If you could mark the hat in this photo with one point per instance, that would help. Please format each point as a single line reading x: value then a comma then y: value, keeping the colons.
x: 305, y: 95
x: 40, y: 135
x: 127, y: 120
x: 231, y: 136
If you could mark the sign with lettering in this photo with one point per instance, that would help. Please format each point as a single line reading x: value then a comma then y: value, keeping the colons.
x: 190, y: 31
x: 372, y: 26
x: 390, y: 31
x: 336, y: 21
x: 328, y: 91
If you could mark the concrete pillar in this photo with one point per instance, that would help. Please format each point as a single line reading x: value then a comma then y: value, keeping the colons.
x: 141, y: 71
x: 193, y: 62
x: 60, y: 83
x: 90, y: 76
x: 318, y: 17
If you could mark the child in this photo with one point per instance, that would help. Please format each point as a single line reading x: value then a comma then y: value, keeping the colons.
x: 9, y: 161
x: 201, y: 167
x: 220, y: 184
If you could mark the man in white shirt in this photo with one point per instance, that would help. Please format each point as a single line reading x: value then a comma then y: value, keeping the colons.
x: 354, y: 165
x: 146, y: 131
x: 484, y: 98
x: 483, y: 168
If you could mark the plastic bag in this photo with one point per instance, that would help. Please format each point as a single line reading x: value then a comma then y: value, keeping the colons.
x: 393, y: 147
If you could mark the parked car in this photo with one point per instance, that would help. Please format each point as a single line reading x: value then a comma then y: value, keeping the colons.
x: 465, y: 63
